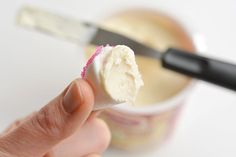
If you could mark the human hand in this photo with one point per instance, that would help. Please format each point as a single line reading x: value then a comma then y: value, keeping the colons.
x: 64, y: 127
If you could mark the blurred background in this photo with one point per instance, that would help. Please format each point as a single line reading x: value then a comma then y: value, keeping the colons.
x: 35, y: 67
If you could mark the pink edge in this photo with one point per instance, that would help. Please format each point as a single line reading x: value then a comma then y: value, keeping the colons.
x: 90, y: 60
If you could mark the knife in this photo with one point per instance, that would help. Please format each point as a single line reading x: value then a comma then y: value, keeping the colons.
x: 200, y: 67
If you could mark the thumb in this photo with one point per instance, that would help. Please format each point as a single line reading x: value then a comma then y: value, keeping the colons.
x: 53, y: 123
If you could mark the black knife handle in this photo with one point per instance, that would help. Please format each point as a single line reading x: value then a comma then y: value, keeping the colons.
x: 210, y: 70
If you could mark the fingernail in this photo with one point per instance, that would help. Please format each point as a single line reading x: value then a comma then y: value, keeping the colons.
x: 72, y: 98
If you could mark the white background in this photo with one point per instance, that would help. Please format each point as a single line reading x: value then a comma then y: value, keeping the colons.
x: 35, y: 67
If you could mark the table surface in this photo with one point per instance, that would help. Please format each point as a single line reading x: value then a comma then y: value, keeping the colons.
x: 34, y: 67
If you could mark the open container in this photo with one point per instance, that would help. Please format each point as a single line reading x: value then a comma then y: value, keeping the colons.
x: 159, y: 103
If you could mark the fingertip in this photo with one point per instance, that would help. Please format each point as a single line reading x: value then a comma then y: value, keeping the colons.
x: 104, y: 138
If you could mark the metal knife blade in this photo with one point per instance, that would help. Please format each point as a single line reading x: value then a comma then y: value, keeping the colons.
x: 80, y: 32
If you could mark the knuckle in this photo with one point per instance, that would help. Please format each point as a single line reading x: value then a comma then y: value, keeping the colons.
x: 50, y: 121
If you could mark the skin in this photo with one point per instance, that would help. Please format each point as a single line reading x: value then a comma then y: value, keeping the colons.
x: 65, y: 127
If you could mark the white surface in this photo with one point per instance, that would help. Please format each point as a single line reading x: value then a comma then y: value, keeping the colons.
x: 35, y: 67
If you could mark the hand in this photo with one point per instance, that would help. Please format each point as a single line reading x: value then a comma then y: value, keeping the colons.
x: 64, y: 127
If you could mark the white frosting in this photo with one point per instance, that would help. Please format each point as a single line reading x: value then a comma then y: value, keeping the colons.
x: 119, y: 73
